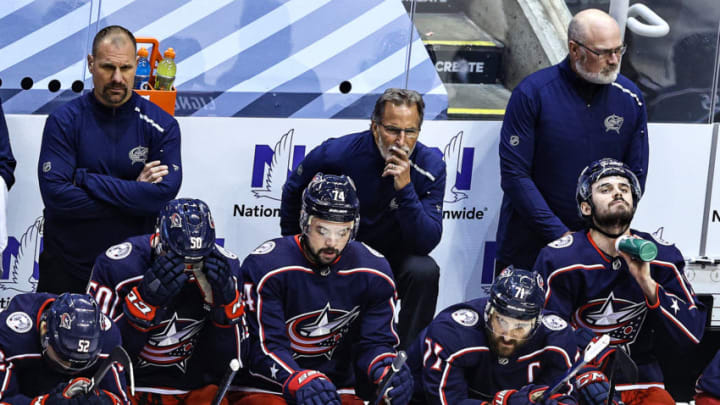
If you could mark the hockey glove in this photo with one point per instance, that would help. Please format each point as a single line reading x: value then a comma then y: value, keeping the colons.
x: 593, y: 386
x: 228, y: 307
x: 310, y: 387
x: 530, y: 394
x: 400, y: 389
x: 163, y: 280
x: 61, y: 394
x: 583, y: 337
x: 220, y: 278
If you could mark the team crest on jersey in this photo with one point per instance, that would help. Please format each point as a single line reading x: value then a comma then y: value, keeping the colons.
x: 19, y: 322
x: 66, y: 321
x: 657, y: 235
x: 373, y: 251
x: 173, y: 346
x: 138, y: 154
x: 565, y: 241
x: 621, y: 318
x: 554, y: 322
x: 466, y: 317
x: 119, y: 252
x: 613, y: 123
x: 266, y: 247
x: 225, y: 252
x: 319, y: 333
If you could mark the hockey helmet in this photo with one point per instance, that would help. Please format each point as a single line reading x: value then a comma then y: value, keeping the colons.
x: 517, y: 294
x: 332, y: 198
x: 73, y: 331
x: 185, y: 226
x: 604, y: 168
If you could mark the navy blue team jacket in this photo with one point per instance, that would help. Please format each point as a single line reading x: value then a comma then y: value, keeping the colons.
x: 89, y: 160
x: 337, y: 320
x: 549, y: 134
x: 408, y: 221
x: 595, y: 291
x: 452, y: 361
x: 24, y: 372
x: 7, y: 160
x: 186, y: 349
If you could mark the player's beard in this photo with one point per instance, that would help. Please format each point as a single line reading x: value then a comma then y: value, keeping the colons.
x: 605, y: 76
x: 617, y: 219
x: 504, y: 350
x: 330, y: 251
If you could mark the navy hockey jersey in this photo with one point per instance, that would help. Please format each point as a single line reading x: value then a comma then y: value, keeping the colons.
x: 598, y: 292
x: 184, y: 351
x: 337, y: 320
x: 453, y: 360
x: 709, y: 381
x: 23, y: 371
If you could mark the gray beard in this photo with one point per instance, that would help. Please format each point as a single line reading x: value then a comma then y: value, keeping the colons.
x: 597, y: 78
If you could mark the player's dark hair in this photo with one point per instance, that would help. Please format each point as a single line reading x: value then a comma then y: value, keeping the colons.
x: 399, y: 97
x: 110, y: 30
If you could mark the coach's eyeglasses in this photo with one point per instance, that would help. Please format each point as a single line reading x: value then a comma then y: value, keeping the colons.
x: 410, y: 133
x: 619, y: 51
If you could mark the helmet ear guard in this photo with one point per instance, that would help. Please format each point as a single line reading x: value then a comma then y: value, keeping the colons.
x: 185, y: 226
x: 73, y: 325
x: 332, y: 198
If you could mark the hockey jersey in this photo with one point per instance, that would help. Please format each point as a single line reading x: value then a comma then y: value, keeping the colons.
x: 23, y: 370
x: 337, y: 319
x: 453, y: 361
x: 185, y: 350
x: 598, y: 292
x: 709, y: 381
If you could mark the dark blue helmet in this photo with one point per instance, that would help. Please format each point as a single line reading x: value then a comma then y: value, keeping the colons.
x: 332, y: 198
x: 185, y: 226
x: 74, y: 328
x: 604, y: 168
x: 518, y: 294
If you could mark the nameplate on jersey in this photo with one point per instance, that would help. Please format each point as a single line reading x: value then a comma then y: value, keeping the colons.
x: 554, y: 322
x: 466, y: 317
x: 119, y: 252
x: 565, y: 241
x: 19, y: 322
x: 265, y: 248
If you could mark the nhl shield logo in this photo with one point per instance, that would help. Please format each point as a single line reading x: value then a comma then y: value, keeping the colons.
x: 613, y: 123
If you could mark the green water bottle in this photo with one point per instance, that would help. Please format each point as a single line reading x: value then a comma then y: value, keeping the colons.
x: 639, y: 249
x: 166, y: 71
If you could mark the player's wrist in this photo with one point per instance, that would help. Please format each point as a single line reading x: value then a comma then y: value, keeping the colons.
x: 228, y: 314
x: 299, y: 379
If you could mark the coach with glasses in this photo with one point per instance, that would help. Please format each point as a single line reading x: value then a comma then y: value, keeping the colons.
x: 559, y: 120
x: 400, y: 185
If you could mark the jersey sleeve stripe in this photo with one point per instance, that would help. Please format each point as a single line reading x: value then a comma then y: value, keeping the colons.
x: 6, y: 380
x: 118, y: 384
x: 679, y: 325
x: 567, y: 269
x: 448, y: 366
x: 557, y: 349
x: 680, y: 281
x: 366, y: 270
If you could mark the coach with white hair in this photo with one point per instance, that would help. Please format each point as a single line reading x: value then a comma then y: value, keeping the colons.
x: 559, y: 120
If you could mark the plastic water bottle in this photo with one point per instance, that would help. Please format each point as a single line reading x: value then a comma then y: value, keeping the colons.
x: 142, y: 74
x: 639, y: 249
x: 166, y: 71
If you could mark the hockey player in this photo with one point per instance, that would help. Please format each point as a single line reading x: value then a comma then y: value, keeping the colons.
x: 502, y: 349
x: 594, y: 285
x: 321, y: 310
x: 174, y: 296
x: 49, y: 344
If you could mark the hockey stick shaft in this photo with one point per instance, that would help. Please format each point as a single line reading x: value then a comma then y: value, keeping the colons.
x: 591, y: 351
x: 118, y: 355
x: 233, y: 368
x: 394, y: 369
